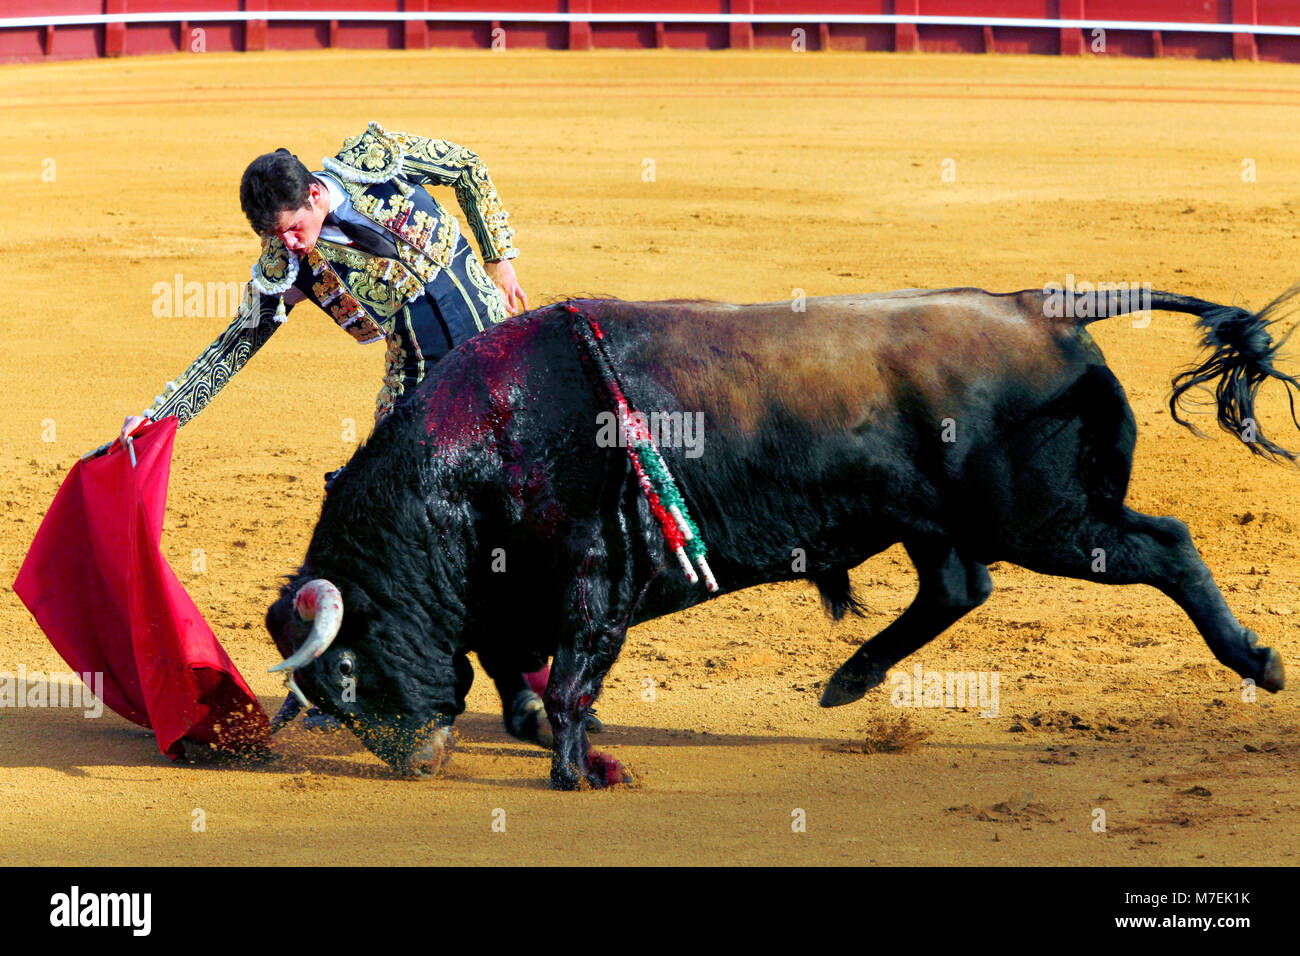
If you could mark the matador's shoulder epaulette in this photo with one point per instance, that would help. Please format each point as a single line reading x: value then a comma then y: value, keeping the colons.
x: 275, y: 272
x: 374, y: 156
x: 276, y: 269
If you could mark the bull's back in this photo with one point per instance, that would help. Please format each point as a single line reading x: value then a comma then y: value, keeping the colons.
x: 839, y: 362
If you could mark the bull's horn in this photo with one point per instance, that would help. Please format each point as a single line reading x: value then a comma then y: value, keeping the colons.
x: 317, y: 601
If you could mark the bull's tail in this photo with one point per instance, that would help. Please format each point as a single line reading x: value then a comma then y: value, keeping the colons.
x: 1238, y: 359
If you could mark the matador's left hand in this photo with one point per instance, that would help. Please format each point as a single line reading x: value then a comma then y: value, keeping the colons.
x: 503, y: 274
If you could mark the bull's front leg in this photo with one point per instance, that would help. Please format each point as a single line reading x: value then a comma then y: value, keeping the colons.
x: 598, y: 604
x: 577, y: 676
x: 615, y: 556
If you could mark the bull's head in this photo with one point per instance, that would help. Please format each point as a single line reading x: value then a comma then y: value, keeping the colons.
x: 372, y: 681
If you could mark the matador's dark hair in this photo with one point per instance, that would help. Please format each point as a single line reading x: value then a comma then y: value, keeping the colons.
x: 273, y: 183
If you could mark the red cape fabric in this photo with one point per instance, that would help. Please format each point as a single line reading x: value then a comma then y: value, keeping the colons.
x: 107, y: 600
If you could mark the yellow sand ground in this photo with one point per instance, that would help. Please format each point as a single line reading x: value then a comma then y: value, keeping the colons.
x: 772, y: 172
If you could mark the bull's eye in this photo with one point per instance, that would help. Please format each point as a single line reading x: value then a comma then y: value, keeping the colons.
x: 346, y: 665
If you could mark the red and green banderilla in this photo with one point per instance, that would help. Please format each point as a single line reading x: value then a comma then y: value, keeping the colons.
x: 655, y: 480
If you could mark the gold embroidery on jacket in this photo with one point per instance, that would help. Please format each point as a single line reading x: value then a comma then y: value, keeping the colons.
x: 394, y: 386
x: 371, y: 157
x: 382, y: 285
x: 488, y: 291
x: 454, y: 165
x: 275, y: 269
x: 338, y: 302
x: 425, y: 243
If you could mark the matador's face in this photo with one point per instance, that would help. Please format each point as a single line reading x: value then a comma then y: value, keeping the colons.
x: 299, y: 229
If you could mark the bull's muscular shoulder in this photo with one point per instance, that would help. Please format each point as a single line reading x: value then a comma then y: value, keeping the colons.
x: 374, y: 156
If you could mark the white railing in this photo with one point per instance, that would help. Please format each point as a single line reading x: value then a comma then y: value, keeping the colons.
x: 505, y: 16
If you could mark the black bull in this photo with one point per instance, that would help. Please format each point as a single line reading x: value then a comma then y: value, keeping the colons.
x: 484, y: 515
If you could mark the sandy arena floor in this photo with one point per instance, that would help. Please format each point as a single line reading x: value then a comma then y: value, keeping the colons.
x: 772, y: 172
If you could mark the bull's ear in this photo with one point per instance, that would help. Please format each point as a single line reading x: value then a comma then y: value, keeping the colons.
x: 356, y: 603
x: 280, y: 624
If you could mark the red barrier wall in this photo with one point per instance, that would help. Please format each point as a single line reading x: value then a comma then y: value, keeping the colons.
x: 423, y: 28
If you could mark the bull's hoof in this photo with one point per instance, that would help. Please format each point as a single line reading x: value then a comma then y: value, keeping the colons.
x: 526, y: 720
x: 605, y: 771
x: 600, y: 773
x: 1272, y: 676
x: 839, y: 692
x: 846, y: 686
x: 430, y: 758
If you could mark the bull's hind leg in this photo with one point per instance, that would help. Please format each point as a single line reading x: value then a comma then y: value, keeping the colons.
x: 1127, y: 547
x: 1066, y: 516
x: 949, y: 587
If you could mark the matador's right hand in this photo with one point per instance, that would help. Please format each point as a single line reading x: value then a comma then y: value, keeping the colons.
x: 131, y: 424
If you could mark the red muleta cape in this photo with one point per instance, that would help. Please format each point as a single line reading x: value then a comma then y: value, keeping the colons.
x: 100, y: 589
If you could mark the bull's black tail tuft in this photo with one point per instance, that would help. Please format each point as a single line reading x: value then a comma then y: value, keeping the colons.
x: 1238, y: 360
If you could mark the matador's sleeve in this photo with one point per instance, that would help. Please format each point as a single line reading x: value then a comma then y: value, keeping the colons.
x: 438, y: 161
x: 194, y: 388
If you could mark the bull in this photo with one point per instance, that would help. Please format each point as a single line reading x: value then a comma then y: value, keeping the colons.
x: 485, y: 515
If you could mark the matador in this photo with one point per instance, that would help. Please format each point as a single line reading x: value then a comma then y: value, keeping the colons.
x: 374, y: 251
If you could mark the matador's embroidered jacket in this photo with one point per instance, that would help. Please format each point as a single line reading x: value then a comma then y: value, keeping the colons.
x: 413, y: 282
